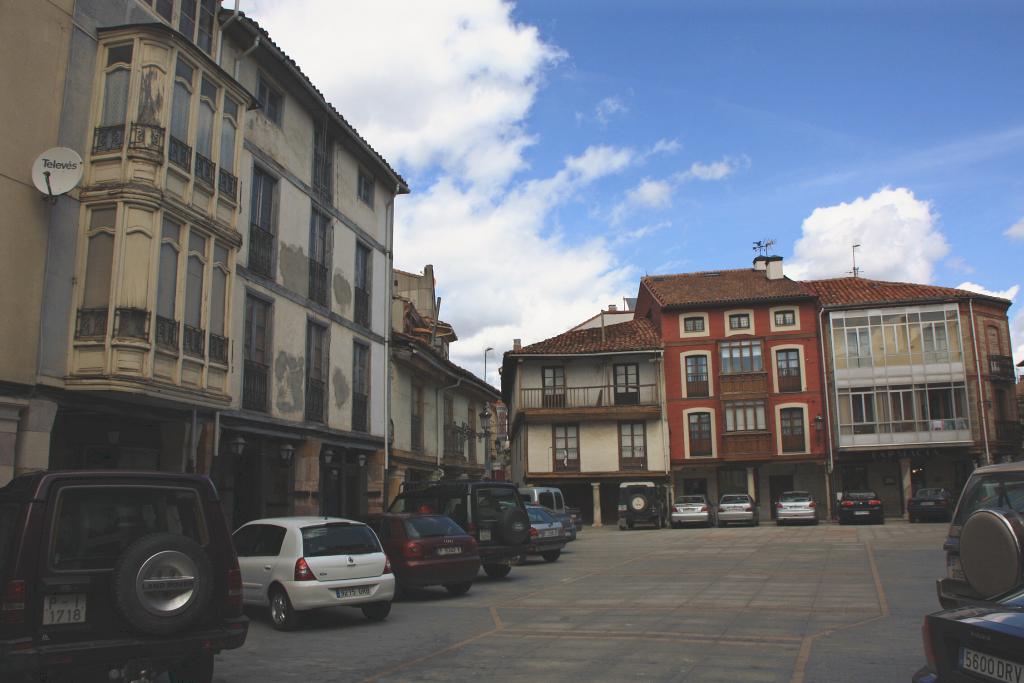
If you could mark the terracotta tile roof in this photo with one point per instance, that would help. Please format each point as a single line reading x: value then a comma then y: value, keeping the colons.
x: 635, y: 335
x: 342, y: 121
x: 859, y: 290
x: 720, y: 287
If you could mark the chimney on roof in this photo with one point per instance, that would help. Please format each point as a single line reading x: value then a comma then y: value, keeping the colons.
x: 612, y: 308
x: 761, y: 263
x: 517, y: 344
x: 773, y: 267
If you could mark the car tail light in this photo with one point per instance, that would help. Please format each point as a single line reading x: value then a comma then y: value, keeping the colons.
x: 13, y: 606
x: 302, y: 570
x: 387, y: 566
x: 874, y: 502
x: 747, y: 508
x: 534, y: 533
x: 703, y: 508
x: 847, y: 503
x: 471, y: 527
x: 812, y: 505
x: 234, y: 601
x: 929, y: 649
x: 412, y: 550
x: 778, y: 506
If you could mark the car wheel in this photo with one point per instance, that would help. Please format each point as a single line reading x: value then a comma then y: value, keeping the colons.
x: 497, y: 571
x: 196, y: 669
x: 551, y: 556
x: 458, y: 588
x: 521, y: 560
x: 159, y: 558
x: 282, y: 615
x: 377, y: 611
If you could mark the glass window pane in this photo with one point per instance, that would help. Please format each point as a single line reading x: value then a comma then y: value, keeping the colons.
x: 180, y: 110
x: 194, y: 292
x: 227, y: 145
x: 168, y: 283
x: 115, y: 98
x: 218, y: 287
x: 97, y: 271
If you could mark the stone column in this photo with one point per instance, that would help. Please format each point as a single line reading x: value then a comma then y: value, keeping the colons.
x: 751, y: 483
x: 306, y: 463
x: 33, y: 449
x: 905, y: 481
x: 10, y: 417
x: 597, y: 502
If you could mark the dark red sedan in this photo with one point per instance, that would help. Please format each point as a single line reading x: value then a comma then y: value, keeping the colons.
x: 427, y: 550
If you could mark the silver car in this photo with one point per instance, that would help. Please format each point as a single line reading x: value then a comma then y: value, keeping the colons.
x: 796, y: 506
x: 739, y: 508
x: 692, y: 510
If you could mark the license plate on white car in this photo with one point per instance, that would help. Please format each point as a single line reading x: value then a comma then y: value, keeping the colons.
x: 994, y: 668
x: 351, y: 592
x: 453, y: 550
x: 64, y: 609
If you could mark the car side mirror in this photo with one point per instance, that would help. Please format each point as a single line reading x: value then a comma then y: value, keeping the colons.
x: 992, y: 551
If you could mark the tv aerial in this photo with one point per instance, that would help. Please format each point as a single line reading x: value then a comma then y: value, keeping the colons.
x: 762, y: 247
x: 57, y: 171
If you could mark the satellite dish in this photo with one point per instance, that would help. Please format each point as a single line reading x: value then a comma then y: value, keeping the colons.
x: 56, y: 171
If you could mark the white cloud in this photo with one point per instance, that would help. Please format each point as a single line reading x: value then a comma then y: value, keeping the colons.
x: 1015, y: 231
x: 657, y: 194
x: 1008, y: 293
x: 649, y: 193
x: 716, y: 170
x: 960, y: 265
x: 898, y: 233
x: 607, y: 108
x: 449, y: 83
x: 664, y: 146
x: 639, y: 233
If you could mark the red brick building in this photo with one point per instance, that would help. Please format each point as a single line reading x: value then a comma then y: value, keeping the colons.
x: 743, y: 381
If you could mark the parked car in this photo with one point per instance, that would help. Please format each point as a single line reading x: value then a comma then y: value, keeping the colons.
x: 296, y: 564
x: 492, y: 512
x: 427, y: 550
x: 642, y: 502
x: 982, y: 641
x: 934, y: 504
x: 551, y: 498
x: 547, y: 534
x: 692, y: 510
x: 993, y: 486
x: 737, y: 507
x: 796, y: 506
x: 112, y: 574
x: 861, y: 506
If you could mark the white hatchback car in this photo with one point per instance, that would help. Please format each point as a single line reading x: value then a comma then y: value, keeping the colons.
x: 296, y: 564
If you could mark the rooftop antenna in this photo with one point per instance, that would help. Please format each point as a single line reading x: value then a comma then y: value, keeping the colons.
x: 856, y: 270
x: 762, y: 247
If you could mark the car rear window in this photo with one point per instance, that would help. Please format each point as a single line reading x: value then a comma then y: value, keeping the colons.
x: 538, y: 516
x: 338, y: 539
x: 928, y: 493
x: 492, y: 501
x: 795, y: 498
x: 692, y: 499
x: 93, y: 525
x: 9, y: 513
x: 547, y: 499
x: 860, y: 495
x: 1001, y: 490
x: 735, y: 499
x: 432, y: 527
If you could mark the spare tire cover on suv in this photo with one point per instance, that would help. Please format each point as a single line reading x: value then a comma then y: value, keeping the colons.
x: 992, y: 551
x: 513, y: 526
x: 638, y: 502
x: 162, y: 583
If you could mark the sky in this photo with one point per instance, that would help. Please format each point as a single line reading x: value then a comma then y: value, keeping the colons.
x: 559, y: 150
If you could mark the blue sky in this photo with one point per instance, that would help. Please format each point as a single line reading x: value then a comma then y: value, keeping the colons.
x: 560, y: 149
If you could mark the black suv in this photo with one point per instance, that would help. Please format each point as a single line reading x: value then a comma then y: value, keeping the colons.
x: 490, y: 511
x: 115, y: 576
x: 641, y: 502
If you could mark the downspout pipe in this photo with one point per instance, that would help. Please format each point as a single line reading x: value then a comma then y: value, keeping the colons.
x: 220, y: 43
x: 248, y: 51
x: 389, y: 289
x: 437, y: 436
x: 981, y: 388
x: 830, y: 461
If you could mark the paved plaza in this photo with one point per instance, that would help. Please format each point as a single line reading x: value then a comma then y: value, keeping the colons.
x: 826, y: 603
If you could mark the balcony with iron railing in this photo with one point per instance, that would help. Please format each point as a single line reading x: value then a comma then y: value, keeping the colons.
x: 315, y: 399
x: 194, y: 342
x: 361, y: 314
x: 790, y: 380
x: 205, y: 169
x: 604, y: 396
x: 261, y: 251
x: 360, y: 412
x: 1001, y: 368
x: 179, y: 154
x: 227, y: 185
x: 131, y: 323
x: 318, y: 282
x: 218, y: 348
x: 255, y: 385
x: 697, y: 385
x: 453, y: 440
x: 167, y: 333
x: 91, y: 323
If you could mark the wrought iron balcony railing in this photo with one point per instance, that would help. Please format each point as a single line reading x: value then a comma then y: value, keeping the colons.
x: 227, y: 184
x: 255, y: 386
x: 589, y: 397
x: 205, y: 169
x: 218, y: 348
x: 179, y: 154
x: 107, y: 139
x: 314, y: 400
x: 454, y: 440
x: 131, y: 323
x: 697, y: 385
x: 167, y: 333
x: 362, y: 307
x: 1001, y: 367
x: 194, y: 341
x: 261, y: 251
x: 318, y: 282
x: 147, y: 137
x: 789, y: 380
x: 91, y: 323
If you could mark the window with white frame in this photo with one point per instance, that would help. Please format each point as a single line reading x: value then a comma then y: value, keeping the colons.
x: 744, y: 416
x: 699, y: 428
x: 566, y: 446
x: 739, y: 321
x: 693, y: 324
x: 741, y: 356
x: 167, y: 286
x: 785, y: 318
